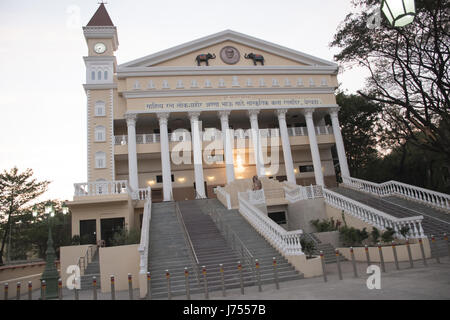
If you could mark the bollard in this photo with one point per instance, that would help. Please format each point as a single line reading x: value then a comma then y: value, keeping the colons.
x: 77, y: 294
x: 394, y: 251
x: 18, y: 290
x: 422, y: 250
x: 94, y: 288
x: 366, y: 248
x: 113, y: 288
x: 6, y: 288
x: 205, y: 282
x: 169, y: 294
x: 355, y: 271
x: 448, y: 245
x: 149, y: 286
x: 43, y: 289
x: 240, y: 277
x: 322, y: 261
x: 258, y: 275
x: 380, y: 251
x: 222, y: 279
x: 30, y: 290
x: 60, y: 294
x: 433, y: 243
x: 186, y: 277
x: 130, y: 286
x: 338, y: 261
x: 275, y: 273
x: 409, y: 254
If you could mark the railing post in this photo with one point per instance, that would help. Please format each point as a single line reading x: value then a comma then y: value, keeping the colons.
x: 18, y: 290
x: 222, y: 279
x: 186, y: 280
x: 433, y: 245
x: 258, y: 275
x: 394, y: 251
x: 422, y: 250
x: 43, y: 289
x: 355, y: 271
x: 60, y: 294
x: 380, y: 251
x: 366, y: 248
x: 113, y: 288
x: 169, y: 293
x: 240, y: 277
x: 6, y: 289
x: 94, y: 288
x: 205, y: 282
x: 324, y: 272
x: 30, y: 290
x: 149, y: 286
x: 275, y: 273
x: 338, y: 261
x: 409, y: 254
x: 130, y: 286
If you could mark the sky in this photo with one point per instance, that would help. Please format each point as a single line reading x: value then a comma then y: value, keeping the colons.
x: 43, y: 103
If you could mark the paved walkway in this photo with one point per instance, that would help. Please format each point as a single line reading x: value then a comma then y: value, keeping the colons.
x: 432, y: 282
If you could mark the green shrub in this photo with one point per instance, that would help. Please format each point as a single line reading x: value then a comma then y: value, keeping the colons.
x: 404, y: 231
x: 351, y: 236
x: 124, y: 237
x: 308, y: 247
x: 375, y: 235
x: 75, y: 241
x: 325, y: 225
x: 388, y: 235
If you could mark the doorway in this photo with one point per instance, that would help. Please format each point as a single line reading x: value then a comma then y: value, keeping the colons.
x: 110, y: 226
x: 88, y: 234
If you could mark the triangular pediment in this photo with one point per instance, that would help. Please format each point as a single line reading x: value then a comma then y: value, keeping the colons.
x: 218, y: 44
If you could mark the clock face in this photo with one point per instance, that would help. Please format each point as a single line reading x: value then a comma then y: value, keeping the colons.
x: 100, y: 47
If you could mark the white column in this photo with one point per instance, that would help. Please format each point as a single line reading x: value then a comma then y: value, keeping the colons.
x: 132, y: 153
x: 165, y: 156
x: 288, y: 163
x: 314, y: 146
x: 339, y: 143
x: 257, y: 150
x: 228, y: 141
x: 197, y: 144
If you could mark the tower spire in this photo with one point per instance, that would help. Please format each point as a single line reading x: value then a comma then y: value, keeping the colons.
x: 101, y: 17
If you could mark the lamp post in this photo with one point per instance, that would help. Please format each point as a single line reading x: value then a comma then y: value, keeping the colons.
x: 399, y: 12
x: 50, y: 274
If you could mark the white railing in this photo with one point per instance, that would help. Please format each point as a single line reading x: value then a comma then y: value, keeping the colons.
x: 223, y: 197
x: 144, y: 244
x: 374, y: 217
x: 101, y: 188
x: 433, y: 198
x: 287, y: 242
x: 256, y: 197
x: 294, y: 193
x: 142, y: 194
x: 217, y: 135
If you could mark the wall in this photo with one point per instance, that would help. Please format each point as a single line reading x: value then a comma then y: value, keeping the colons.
x: 336, y: 214
x: 12, y: 283
x: 119, y: 261
x: 17, y: 271
x: 302, y: 212
x: 331, y: 237
x: 69, y: 256
x: 309, y: 267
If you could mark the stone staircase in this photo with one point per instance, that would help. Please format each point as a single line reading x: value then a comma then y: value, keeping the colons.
x: 93, y: 269
x: 435, y: 222
x: 329, y: 252
x: 169, y: 249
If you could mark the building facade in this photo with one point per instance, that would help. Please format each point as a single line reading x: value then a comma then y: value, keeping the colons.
x: 196, y: 116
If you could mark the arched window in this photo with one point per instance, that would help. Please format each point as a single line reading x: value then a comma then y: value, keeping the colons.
x: 100, y: 160
x: 105, y: 75
x: 99, y: 75
x: 93, y: 75
x: 100, y: 134
x: 100, y: 109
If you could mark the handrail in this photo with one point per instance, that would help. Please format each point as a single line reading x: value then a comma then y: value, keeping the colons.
x: 145, y: 234
x: 433, y: 198
x: 188, y: 238
x: 85, y: 258
x: 373, y: 216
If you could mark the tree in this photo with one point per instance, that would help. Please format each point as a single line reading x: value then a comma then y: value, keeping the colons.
x: 409, y: 70
x: 17, y: 190
x: 359, y: 120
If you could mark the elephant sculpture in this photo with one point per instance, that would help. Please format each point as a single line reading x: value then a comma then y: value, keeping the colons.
x: 204, y: 58
x: 255, y: 58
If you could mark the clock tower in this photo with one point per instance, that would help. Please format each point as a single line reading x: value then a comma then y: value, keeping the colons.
x: 101, y: 90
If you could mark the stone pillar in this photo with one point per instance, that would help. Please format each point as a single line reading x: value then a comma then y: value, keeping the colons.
x: 288, y: 163
x: 314, y: 146
x: 165, y: 156
x: 257, y: 150
x: 228, y: 140
x: 132, y: 153
x: 339, y: 143
x: 197, y: 143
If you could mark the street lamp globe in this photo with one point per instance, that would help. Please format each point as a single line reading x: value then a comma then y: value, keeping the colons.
x: 65, y: 208
x: 48, y: 207
x: 34, y: 211
x: 399, y: 12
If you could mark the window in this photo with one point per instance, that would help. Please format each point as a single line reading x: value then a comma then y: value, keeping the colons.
x: 309, y: 168
x: 105, y: 75
x: 99, y: 75
x: 159, y: 179
x: 93, y: 75
x: 100, y: 160
x: 100, y: 109
x: 100, y: 134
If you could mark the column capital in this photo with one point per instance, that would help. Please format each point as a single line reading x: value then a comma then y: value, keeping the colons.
x: 224, y: 114
x: 253, y: 114
x: 281, y: 113
x: 308, y: 112
x: 334, y: 112
x: 194, y: 115
x: 131, y: 119
x: 163, y: 117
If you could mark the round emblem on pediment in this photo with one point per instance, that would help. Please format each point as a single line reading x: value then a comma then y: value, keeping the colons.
x: 230, y: 55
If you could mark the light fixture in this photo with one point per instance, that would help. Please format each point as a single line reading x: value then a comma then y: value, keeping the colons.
x: 211, y: 178
x: 34, y: 211
x: 399, y: 12
x: 181, y: 180
x: 295, y: 170
x: 151, y: 182
x: 65, y: 208
x: 48, y: 207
